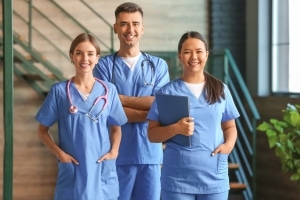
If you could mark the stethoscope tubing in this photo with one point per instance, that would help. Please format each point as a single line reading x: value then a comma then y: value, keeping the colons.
x: 142, y: 66
x: 73, y: 109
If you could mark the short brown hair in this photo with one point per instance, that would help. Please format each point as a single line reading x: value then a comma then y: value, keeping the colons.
x: 128, y: 7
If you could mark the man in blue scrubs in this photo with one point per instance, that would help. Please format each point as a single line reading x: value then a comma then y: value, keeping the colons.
x: 137, y: 76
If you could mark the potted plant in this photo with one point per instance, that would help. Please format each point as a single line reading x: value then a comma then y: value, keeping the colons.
x: 284, y: 136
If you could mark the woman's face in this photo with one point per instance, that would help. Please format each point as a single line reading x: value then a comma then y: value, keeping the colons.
x: 193, y: 56
x: 84, y: 57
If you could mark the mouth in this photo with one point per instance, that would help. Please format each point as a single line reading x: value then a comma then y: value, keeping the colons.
x: 84, y: 65
x: 129, y: 37
x: 193, y: 63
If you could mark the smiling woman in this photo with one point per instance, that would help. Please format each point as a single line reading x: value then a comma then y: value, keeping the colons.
x: 90, y: 125
x: 210, y: 127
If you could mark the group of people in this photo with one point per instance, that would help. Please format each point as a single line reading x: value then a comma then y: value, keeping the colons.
x: 110, y: 137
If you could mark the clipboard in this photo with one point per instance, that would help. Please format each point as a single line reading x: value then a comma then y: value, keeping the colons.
x: 172, y: 108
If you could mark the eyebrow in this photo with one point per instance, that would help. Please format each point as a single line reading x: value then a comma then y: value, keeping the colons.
x: 78, y: 50
x: 129, y: 22
x: 87, y: 51
x: 195, y: 49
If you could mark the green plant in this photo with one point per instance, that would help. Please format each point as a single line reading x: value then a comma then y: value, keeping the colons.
x: 284, y: 136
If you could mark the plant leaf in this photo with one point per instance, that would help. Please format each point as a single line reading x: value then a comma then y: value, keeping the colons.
x: 295, y: 118
x: 273, y: 139
x: 295, y: 177
x: 264, y: 126
x: 297, y: 147
x: 290, y: 144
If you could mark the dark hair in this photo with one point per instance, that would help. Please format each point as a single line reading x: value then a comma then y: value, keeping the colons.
x: 128, y: 7
x: 82, y: 38
x: 191, y: 34
x: 214, y: 88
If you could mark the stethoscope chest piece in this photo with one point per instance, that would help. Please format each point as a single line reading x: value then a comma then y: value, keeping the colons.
x: 73, y: 109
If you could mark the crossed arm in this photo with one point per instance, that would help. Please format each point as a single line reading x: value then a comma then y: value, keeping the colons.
x: 136, y: 108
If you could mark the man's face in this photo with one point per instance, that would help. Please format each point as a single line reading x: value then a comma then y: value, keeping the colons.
x: 129, y: 27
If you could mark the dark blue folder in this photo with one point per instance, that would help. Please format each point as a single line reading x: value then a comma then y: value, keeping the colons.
x: 172, y: 108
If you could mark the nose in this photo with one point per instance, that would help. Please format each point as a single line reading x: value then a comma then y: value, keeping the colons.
x: 85, y: 56
x: 129, y: 27
x: 194, y: 56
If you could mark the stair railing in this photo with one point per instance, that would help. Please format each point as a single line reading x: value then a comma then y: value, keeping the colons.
x: 106, y: 22
x: 38, y: 57
x: 244, y: 152
x: 32, y: 7
x: 81, y: 26
x: 41, y: 35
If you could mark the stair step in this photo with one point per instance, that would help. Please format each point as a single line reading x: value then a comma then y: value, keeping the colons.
x: 36, y: 77
x: 237, y: 186
x: 233, y: 166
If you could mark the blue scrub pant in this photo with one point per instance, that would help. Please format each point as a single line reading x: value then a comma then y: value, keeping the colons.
x: 168, y: 195
x: 139, y: 182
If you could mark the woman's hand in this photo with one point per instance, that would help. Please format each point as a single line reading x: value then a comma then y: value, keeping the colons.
x: 66, y: 158
x: 109, y: 156
x: 186, y: 126
x: 223, y: 149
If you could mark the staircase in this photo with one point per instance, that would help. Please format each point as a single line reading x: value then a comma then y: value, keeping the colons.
x: 236, y: 188
x: 30, y: 65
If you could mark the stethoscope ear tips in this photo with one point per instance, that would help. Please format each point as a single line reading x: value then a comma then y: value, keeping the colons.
x: 73, y: 109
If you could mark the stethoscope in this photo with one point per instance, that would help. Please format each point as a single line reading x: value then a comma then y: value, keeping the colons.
x: 146, y: 60
x: 73, y: 109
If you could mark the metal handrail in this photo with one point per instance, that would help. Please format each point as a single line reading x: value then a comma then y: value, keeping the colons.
x: 37, y: 56
x: 29, y: 66
x: 222, y: 65
x: 106, y: 22
x: 42, y: 35
x: 50, y: 21
x: 231, y: 72
x: 79, y: 24
x: 249, y: 99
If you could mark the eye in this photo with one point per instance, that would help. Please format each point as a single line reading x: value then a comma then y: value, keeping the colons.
x: 123, y: 24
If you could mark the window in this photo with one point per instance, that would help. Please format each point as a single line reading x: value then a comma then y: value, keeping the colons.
x: 285, y: 44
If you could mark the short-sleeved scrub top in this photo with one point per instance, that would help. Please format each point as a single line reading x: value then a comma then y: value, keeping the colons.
x: 135, y: 147
x: 84, y: 139
x: 192, y: 169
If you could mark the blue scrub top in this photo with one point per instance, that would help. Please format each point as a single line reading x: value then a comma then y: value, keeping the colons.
x: 193, y: 169
x: 84, y: 139
x: 135, y: 147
